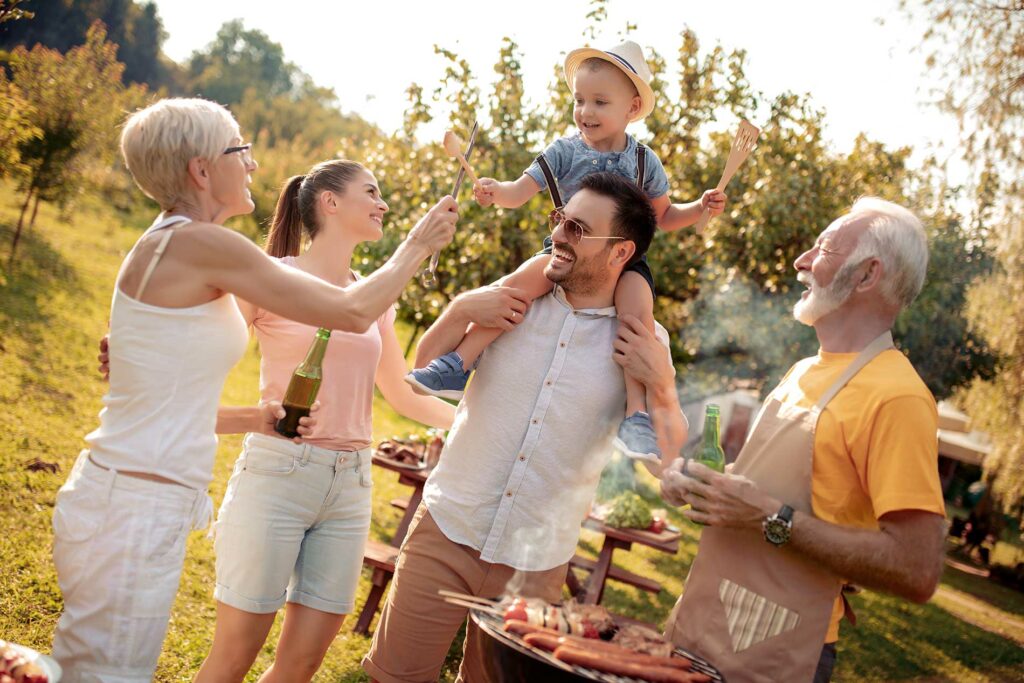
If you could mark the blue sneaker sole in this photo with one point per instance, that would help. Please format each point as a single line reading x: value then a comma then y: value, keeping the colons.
x: 629, y: 453
x: 424, y: 390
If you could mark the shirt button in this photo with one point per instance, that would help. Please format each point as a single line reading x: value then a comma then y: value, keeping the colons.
x: 508, y: 493
x: 548, y: 383
x: 534, y: 421
x: 522, y: 457
x: 562, y: 344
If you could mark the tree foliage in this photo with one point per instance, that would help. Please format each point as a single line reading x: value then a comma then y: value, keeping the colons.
x: 135, y: 28
x: 16, y: 127
x: 239, y: 59
x: 979, y: 49
x: 76, y: 102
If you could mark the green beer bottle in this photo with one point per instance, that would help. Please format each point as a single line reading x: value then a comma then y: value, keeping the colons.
x: 303, y: 387
x: 710, y: 453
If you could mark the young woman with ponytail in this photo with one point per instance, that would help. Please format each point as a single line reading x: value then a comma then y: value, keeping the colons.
x: 295, y: 516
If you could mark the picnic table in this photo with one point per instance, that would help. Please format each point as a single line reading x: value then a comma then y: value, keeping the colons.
x: 382, y: 556
x: 592, y: 590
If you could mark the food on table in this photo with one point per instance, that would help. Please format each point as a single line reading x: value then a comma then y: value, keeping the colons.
x: 16, y: 667
x: 658, y: 524
x: 628, y: 510
x: 406, y: 451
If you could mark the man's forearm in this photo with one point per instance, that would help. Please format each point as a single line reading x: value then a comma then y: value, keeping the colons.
x: 903, y: 557
x: 443, y: 336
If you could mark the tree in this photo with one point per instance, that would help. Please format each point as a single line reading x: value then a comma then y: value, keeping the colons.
x: 978, y: 47
x: 135, y: 28
x: 76, y: 102
x: 9, y: 11
x: 16, y: 128
x: 239, y: 59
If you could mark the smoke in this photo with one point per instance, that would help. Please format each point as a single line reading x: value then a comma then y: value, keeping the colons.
x: 540, y: 534
x: 739, y: 337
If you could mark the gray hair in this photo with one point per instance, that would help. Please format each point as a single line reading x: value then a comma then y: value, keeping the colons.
x: 157, y: 143
x: 896, y: 237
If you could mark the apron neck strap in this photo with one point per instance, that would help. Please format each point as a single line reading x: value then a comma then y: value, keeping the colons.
x: 881, y: 343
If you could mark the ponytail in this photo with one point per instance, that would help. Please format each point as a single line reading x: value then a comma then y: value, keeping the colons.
x: 285, y: 235
x: 296, y: 207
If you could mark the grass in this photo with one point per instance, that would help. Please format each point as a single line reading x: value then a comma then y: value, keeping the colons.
x: 53, y: 309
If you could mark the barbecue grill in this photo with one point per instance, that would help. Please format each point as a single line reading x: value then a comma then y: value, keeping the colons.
x: 509, y: 659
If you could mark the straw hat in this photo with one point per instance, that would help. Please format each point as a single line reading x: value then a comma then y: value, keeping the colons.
x: 629, y: 58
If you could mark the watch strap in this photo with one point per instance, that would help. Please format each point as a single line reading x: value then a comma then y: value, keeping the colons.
x: 786, y: 513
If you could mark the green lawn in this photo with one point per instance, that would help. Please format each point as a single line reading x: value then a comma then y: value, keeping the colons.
x: 53, y: 309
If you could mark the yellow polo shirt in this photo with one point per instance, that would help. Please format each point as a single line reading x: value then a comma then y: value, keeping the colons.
x: 876, y: 444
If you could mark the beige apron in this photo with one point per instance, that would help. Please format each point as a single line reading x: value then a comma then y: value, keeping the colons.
x: 755, y: 611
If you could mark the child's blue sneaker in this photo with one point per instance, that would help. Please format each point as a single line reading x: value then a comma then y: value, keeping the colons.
x: 637, y: 439
x: 443, y: 377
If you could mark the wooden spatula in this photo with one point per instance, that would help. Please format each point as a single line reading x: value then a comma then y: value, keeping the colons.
x: 453, y: 147
x: 742, y: 144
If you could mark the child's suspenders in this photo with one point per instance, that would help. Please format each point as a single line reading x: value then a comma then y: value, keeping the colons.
x: 556, y: 198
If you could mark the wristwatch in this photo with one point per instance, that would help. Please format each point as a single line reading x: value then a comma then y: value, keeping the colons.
x: 778, y: 527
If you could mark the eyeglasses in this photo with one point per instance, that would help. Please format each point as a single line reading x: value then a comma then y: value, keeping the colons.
x: 574, y: 229
x: 246, y: 151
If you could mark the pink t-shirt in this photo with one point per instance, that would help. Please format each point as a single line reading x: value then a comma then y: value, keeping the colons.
x: 344, y: 421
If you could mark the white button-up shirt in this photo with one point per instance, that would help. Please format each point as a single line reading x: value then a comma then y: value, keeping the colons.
x: 531, y: 436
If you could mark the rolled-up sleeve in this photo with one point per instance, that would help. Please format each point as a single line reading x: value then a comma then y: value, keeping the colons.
x: 655, y: 180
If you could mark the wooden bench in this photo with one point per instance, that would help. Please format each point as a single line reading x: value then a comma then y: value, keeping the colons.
x: 400, y: 503
x: 381, y: 557
x: 617, y: 573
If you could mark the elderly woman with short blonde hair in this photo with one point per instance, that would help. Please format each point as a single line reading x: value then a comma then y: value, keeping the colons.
x: 122, y: 517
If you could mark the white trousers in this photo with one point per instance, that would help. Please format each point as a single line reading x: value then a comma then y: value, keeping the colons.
x: 119, y: 546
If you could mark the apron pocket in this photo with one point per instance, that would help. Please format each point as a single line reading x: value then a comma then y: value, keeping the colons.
x: 752, y: 618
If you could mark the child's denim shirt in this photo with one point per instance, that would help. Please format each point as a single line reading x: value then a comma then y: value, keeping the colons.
x: 570, y: 159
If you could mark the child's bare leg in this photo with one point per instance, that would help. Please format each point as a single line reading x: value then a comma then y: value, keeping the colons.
x: 530, y: 278
x: 633, y: 296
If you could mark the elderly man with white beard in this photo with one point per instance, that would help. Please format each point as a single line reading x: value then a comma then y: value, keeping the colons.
x: 838, y: 481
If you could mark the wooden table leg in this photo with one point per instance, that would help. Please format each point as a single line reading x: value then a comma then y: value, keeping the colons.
x: 595, y: 586
x: 403, y: 526
x: 378, y: 584
x: 573, y: 582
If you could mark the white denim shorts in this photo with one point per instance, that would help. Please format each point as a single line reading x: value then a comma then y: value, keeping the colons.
x: 293, y: 527
x: 119, y: 546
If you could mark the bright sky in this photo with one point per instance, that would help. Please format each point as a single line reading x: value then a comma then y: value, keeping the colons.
x: 856, y: 59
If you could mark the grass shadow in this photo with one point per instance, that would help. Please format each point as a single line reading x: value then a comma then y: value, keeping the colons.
x: 893, y: 635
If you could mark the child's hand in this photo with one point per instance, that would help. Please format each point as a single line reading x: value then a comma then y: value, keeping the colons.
x: 484, y: 190
x: 713, y: 201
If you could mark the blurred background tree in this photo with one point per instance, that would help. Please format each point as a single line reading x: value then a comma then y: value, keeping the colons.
x: 979, y: 49
x: 134, y: 27
x: 75, y: 102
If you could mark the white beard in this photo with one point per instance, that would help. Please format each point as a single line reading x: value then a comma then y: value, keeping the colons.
x: 821, y: 301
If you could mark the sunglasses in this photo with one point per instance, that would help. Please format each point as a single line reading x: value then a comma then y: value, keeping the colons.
x: 246, y: 151
x: 574, y: 229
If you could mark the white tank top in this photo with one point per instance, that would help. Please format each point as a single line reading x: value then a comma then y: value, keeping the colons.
x: 167, y: 370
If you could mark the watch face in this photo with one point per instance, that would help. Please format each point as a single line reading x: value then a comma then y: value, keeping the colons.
x: 776, y: 530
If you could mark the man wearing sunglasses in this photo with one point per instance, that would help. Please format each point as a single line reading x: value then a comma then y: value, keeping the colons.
x: 502, y: 510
